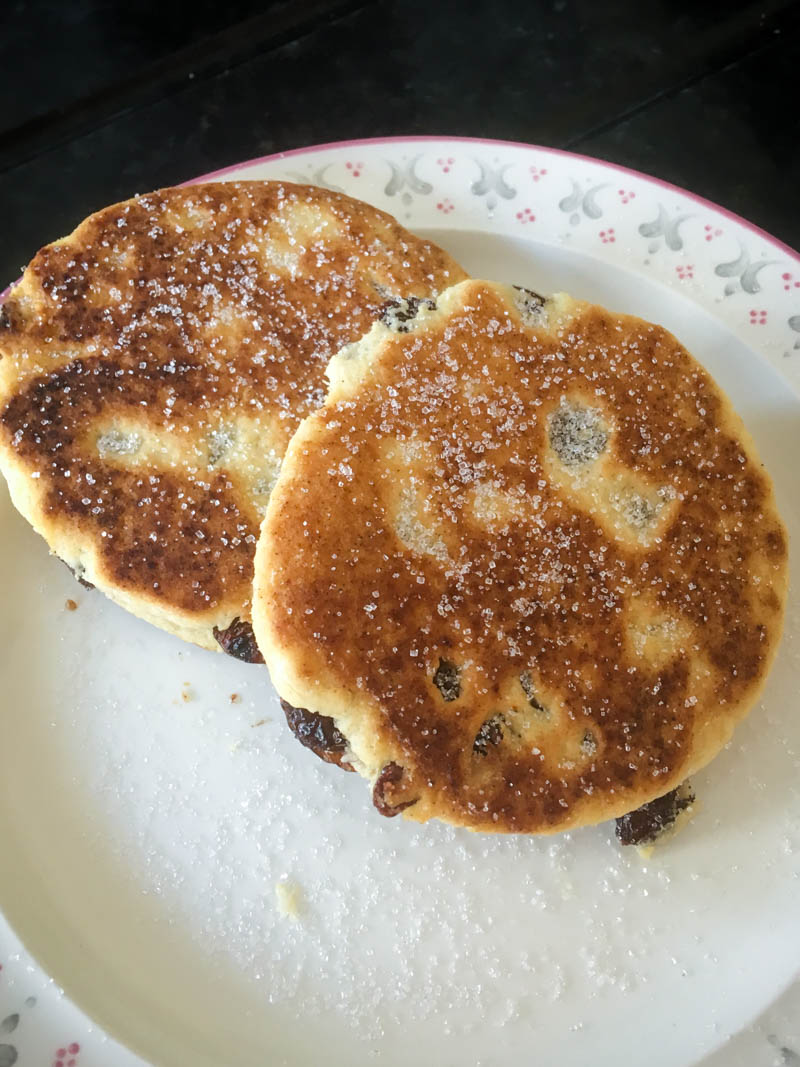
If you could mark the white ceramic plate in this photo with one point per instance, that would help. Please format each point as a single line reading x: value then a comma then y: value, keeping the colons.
x: 145, y: 818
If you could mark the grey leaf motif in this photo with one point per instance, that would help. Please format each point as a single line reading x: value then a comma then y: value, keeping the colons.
x: 672, y: 237
x: 734, y: 268
x: 571, y: 202
x: 417, y: 184
x: 492, y: 180
x: 483, y: 184
x: 395, y: 183
x: 8, y: 1056
x: 663, y: 226
x: 744, y: 270
x: 9, y: 1024
x: 794, y: 323
x: 655, y: 228
x: 591, y: 208
x: 317, y: 178
x: 502, y: 186
x: 748, y: 279
x: 320, y: 179
x: 402, y: 176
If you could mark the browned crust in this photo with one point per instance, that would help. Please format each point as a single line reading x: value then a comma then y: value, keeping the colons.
x: 176, y: 311
x: 552, y: 596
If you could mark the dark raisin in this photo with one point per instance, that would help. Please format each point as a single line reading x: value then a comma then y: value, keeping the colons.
x: 529, y: 292
x: 447, y: 680
x: 491, y: 733
x: 647, y: 823
x: 78, y: 575
x: 526, y: 681
x: 397, y: 313
x: 529, y: 304
x: 577, y: 434
x: 588, y: 743
x: 319, y: 733
x: 239, y: 641
x: 390, y: 776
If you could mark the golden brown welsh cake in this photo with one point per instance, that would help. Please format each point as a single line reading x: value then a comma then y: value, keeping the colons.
x: 155, y: 364
x: 527, y: 561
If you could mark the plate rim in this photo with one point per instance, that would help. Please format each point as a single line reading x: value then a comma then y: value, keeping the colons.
x: 620, y: 168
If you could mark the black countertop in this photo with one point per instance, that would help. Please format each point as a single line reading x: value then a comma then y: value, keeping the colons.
x: 103, y: 99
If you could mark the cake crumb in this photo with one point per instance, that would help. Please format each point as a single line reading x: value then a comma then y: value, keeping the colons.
x: 259, y: 723
x: 71, y: 605
x: 236, y: 698
x: 289, y: 898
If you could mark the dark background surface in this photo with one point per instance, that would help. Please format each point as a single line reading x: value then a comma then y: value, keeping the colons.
x: 101, y: 99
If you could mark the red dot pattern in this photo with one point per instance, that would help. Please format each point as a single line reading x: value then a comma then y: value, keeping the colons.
x: 66, y: 1057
